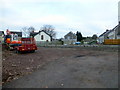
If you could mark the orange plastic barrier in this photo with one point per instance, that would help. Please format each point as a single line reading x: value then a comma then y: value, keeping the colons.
x: 16, y: 42
x: 8, y: 40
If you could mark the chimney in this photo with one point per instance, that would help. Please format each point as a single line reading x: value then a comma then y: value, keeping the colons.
x: 107, y: 30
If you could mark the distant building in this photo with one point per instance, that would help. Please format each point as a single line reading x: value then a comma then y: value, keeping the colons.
x: 117, y: 31
x: 15, y: 33
x: 70, y: 38
x: 2, y: 36
x: 41, y: 36
x: 110, y: 34
x: 88, y: 40
x: 18, y: 33
x: 114, y: 33
x: 103, y: 36
x: 2, y: 33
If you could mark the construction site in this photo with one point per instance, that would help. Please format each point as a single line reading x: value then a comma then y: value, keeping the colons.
x: 26, y: 65
x: 59, y: 44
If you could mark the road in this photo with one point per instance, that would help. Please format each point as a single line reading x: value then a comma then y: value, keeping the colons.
x: 98, y: 69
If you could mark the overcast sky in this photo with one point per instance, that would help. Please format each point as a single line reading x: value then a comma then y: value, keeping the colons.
x: 87, y: 16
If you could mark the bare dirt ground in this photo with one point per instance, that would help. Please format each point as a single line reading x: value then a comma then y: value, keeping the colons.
x: 0, y: 66
x: 84, y: 62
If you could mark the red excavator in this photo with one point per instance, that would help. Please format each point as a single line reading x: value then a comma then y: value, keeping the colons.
x: 25, y: 44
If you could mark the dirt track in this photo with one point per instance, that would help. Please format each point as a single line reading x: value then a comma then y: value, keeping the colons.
x: 87, y: 66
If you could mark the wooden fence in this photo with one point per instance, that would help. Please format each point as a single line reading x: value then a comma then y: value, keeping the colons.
x: 112, y: 42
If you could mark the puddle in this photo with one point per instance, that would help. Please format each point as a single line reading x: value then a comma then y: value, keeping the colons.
x: 79, y: 56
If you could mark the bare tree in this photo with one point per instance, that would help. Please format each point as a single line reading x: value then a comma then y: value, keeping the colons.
x: 50, y: 30
x: 31, y: 29
x: 24, y: 32
x: 27, y: 30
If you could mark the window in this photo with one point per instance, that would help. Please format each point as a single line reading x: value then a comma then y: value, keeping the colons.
x: 68, y: 38
x: 42, y: 37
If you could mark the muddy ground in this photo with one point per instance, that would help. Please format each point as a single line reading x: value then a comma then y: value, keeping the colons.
x: 18, y: 65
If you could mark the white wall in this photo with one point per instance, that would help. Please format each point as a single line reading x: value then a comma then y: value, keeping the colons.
x: 118, y: 36
x: 45, y: 37
x: 37, y: 37
x: 111, y: 35
x: 101, y: 39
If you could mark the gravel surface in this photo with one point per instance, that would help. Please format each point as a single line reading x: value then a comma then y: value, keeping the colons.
x: 61, y: 67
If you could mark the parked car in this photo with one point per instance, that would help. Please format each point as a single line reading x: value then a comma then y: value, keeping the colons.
x: 77, y: 43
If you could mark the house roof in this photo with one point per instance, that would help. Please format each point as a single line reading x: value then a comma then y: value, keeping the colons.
x: 118, y: 29
x: 106, y: 32
x: 35, y: 33
x: 102, y: 34
x: 18, y: 33
x: 1, y: 32
x: 70, y: 34
x: 45, y: 32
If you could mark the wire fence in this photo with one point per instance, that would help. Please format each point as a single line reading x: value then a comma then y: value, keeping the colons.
x: 53, y: 43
